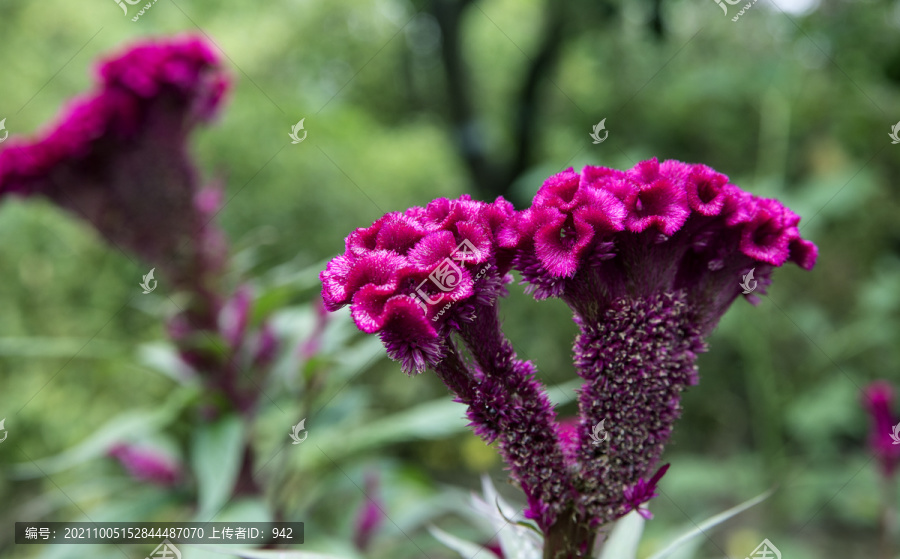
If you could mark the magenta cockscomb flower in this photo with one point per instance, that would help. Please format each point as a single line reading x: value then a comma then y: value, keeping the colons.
x: 413, y: 277
x: 648, y: 259
x: 419, y: 276
x: 118, y: 156
x: 884, y: 437
x: 146, y: 464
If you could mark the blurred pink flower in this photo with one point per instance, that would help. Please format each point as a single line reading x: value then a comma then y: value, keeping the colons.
x: 145, y: 464
x: 877, y: 399
x: 266, y: 346
x: 369, y: 518
x: 235, y: 315
x: 313, y: 344
x: 118, y: 157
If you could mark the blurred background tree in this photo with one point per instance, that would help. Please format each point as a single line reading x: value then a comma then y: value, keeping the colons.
x: 408, y: 101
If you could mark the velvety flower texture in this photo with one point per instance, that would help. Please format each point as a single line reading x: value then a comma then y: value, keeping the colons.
x: 877, y: 399
x: 413, y: 276
x: 648, y: 259
x: 118, y: 156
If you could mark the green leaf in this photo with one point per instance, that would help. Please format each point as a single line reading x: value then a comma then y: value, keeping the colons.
x: 437, y: 419
x: 163, y: 358
x: 217, y: 453
x: 465, y: 548
x: 246, y: 509
x: 82, y: 348
x: 130, y: 425
x: 710, y: 523
x: 624, y: 539
x: 515, y: 540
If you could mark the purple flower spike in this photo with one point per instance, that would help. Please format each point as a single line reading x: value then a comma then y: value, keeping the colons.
x: 118, y: 156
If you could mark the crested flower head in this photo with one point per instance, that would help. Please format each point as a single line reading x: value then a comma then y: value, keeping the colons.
x: 884, y: 438
x: 412, y: 276
x: 649, y: 259
x: 117, y: 156
x: 594, y: 236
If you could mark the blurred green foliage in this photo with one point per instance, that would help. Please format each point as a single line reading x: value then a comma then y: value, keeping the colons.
x: 791, y: 105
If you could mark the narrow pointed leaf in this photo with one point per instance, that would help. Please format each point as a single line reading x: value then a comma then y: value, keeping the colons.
x: 624, y: 539
x: 465, y: 548
x: 710, y: 523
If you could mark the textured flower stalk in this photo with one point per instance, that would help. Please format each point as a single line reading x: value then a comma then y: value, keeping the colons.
x: 648, y: 259
x: 511, y: 406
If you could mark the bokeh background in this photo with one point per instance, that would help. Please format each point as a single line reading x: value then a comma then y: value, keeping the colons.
x: 405, y: 101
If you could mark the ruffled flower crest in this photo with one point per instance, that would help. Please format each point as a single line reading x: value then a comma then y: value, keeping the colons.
x: 409, y: 276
